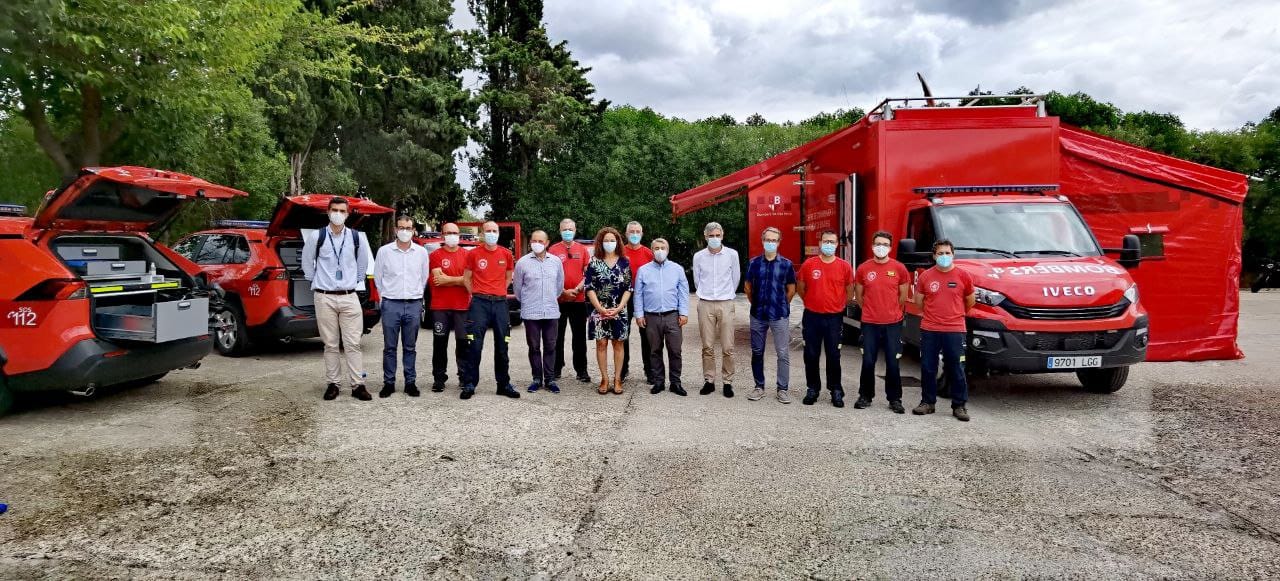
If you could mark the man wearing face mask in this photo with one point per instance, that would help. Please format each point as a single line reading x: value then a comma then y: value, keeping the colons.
x: 638, y: 255
x: 574, y: 258
x: 662, y: 310
x: 826, y: 283
x: 770, y: 285
x: 538, y: 282
x: 333, y: 262
x: 944, y: 294
x: 880, y: 288
x: 400, y: 271
x: 450, y: 302
x: 716, y: 273
x: 488, y: 274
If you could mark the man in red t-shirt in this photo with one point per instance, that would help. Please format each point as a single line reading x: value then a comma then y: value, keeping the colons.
x: 944, y: 293
x: 449, y: 304
x: 880, y: 288
x: 638, y: 255
x: 574, y: 258
x: 488, y: 274
x: 826, y: 283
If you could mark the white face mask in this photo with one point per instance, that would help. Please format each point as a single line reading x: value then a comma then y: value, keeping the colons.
x: 491, y: 238
x: 338, y: 218
x: 451, y: 240
x: 404, y: 235
x: 610, y: 245
x: 660, y: 255
x: 880, y: 251
x: 538, y: 247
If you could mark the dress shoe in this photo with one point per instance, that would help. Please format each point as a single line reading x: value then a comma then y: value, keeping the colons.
x: 707, y: 388
x: 361, y: 393
x: 896, y: 406
x: 509, y: 391
x: 411, y: 390
x: 387, y: 390
x: 467, y: 392
x: 676, y: 389
x: 837, y: 399
x: 584, y: 378
x: 437, y: 386
x: 810, y: 397
x: 728, y: 390
x: 331, y: 392
x: 862, y: 403
x: 656, y: 389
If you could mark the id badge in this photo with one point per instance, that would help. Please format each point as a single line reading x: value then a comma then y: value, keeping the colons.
x: 339, y: 274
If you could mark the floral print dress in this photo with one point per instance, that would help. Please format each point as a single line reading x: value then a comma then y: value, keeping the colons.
x: 609, y: 283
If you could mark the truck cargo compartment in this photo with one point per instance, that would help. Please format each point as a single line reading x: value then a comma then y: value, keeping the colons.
x: 157, y: 322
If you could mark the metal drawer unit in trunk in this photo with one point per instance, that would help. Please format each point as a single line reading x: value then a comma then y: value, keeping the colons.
x: 89, y: 252
x: 154, y: 323
x: 114, y: 268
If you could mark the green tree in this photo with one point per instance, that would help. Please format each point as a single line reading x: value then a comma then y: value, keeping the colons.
x: 1081, y: 110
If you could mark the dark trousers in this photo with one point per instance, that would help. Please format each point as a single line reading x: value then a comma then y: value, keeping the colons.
x: 540, y: 336
x: 822, y: 333
x: 573, y: 316
x: 951, y: 347
x: 878, y: 339
x: 487, y: 312
x: 644, y: 355
x: 663, y: 331
x: 444, y: 322
x: 400, y: 323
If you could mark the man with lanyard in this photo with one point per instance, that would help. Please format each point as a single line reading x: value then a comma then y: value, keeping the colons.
x: 944, y: 294
x: 333, y: 262
x: 638, y: 255
x: 880, y: 288
x: 538, y: 282
x: 450, y: 302
x: 400, y: 271
x: 574, y: 258
x: 770, y: 285
x: 662, y: 310
x: 716, y: 273
x: 488, y: 274
x: 826, y: 283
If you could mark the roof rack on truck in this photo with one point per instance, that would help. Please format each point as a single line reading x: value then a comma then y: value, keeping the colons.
x: 13, y: 210
x: 885, y: 110
x: 1040, y: 189
x: 253, y: 224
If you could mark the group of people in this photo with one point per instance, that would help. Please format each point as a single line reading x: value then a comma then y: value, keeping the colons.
x: 620, y: 283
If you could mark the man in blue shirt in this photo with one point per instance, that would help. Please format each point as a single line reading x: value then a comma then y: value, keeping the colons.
x: 770, y: 286
x: 538, y: 283
x: 336, y: 265
x: 661, y: 310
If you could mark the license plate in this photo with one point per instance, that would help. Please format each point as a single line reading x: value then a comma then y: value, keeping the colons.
x: 1075, y: 362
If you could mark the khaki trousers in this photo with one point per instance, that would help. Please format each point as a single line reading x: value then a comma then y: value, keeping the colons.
x: 341, y: 323
x: 715, y: 325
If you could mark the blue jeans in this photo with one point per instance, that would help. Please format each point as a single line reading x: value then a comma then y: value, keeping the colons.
x: 400, y: 323
x: 822, y: 333
x: 781, y: 330
x: 487, y: 312
x: 951, y: 347
x: 877, y: 338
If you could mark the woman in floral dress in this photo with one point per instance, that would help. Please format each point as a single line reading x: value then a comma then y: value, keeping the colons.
x: 608, y: 286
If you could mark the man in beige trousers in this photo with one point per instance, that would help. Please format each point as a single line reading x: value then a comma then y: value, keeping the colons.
x: 716, y: 273
x: 334, y: 259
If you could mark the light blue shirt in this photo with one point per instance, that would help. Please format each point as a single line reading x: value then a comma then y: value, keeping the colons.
x: 661, y: 287
x: 537, y: 283
x: 323, y: 273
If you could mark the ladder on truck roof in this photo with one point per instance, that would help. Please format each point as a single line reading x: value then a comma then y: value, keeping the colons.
x: 885, y: 109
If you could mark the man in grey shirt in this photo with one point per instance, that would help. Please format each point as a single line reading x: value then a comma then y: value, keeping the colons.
x: 538, y: 282
x: 333, y: 260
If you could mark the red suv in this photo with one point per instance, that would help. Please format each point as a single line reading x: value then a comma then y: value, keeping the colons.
x: 259, y: 267
x: 88, y: 299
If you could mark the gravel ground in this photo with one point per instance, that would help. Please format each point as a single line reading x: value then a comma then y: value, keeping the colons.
x: 239, y: 469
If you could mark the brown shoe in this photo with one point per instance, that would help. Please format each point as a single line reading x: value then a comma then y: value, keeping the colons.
x: 604, y: 386
x: 922, y: 409
x: 617, y: 386
x: 960, y: 413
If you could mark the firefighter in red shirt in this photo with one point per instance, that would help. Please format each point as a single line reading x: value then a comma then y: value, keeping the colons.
x: 944, y: 293
x: 880, y: 288
x: 826, y: 283
x: 489, y: 270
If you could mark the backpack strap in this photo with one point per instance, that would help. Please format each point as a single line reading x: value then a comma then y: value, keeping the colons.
x: 324, y: 234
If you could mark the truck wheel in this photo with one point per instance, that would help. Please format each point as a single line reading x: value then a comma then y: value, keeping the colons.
x: 230, y: 337
x: 6, y: 398
x: 944, y: 384
x: 1103, y: 380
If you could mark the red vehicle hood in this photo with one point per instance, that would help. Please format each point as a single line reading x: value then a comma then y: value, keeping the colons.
x: 310, y: 212
x: 1052, y: 281
x: 126, y: 198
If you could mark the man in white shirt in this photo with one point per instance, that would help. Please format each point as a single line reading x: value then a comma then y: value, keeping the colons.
x: 400, y: 271
x: 716, y: 273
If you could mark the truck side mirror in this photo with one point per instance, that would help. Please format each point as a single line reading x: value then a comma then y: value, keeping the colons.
x: 908, y: 256
x: 1130, y: 251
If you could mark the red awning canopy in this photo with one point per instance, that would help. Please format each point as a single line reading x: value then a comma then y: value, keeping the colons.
x: 1157, y: 167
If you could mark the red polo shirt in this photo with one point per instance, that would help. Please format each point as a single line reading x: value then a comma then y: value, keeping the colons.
x: 825, y: 284
x: 638, y: 256
x: 489, y: 270
x: 449, y: 298
x: 880, y: 284
x: 944, y: 294
x: 574, y: 259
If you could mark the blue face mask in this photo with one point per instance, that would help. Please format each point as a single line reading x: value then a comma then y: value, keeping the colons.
x: 828, y: 248
x: 490, y: 237
x: 714, y: 243
x: 945, y: 260
x: 771, y: 247
x: 610, y: 246
x: 566, y: 235
x: 633, y: 238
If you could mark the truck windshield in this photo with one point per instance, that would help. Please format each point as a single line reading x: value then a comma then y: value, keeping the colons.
x: 1014, y: 229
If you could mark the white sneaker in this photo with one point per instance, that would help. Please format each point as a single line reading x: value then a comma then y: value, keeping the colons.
x: 756, y: 394
x: 784, y: 396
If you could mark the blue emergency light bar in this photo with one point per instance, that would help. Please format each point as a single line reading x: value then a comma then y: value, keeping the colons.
x: 13, y: 210
x: 253, y: 224
x: 1024, y: 189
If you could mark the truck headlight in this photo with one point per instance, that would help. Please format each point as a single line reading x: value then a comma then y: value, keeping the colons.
x: 987, y: 297
x: 1131, y: 293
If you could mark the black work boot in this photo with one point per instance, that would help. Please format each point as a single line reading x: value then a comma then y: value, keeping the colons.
x: 387, y: 390
x: 810, y: 397
x: 707, y: 388
x: 331, y: 392
x: 862, y: 403
x: 411, y: 390
x: 837, y: 399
